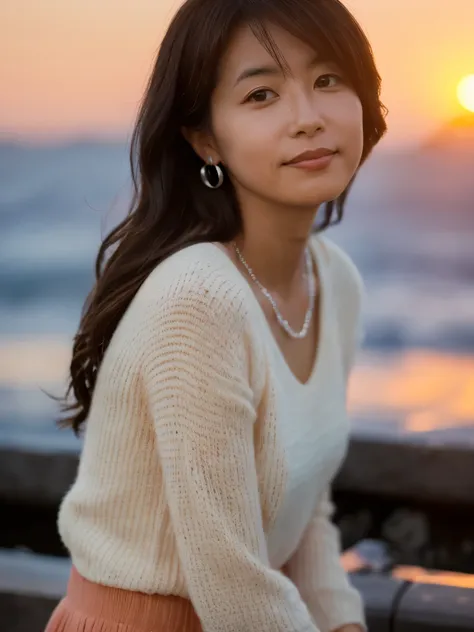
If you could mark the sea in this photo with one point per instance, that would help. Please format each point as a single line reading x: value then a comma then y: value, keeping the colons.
x: 408, y: 225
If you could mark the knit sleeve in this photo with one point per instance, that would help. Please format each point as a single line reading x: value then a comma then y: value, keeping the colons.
x: 197, y: 378
x: 316, y: 570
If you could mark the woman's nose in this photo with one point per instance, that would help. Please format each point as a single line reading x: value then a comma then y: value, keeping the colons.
x: 307, y: 117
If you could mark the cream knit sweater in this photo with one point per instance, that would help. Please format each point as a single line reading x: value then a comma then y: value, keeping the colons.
x: 206, y: 464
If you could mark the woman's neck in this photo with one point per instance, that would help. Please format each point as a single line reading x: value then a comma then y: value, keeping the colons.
x: 274, y: 247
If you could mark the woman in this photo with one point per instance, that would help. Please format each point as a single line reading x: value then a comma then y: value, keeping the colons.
x: 212, y: 357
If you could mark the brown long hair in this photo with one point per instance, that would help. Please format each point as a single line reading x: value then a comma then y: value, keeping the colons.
x: 170, y: 208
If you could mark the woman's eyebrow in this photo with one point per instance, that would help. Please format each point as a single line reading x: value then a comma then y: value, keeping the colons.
x: 272, y: 70
x: 258, y: 71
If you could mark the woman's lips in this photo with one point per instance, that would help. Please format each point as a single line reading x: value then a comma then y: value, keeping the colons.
x: 313, y: 161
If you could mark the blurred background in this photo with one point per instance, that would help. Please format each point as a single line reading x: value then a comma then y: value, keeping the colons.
x: 71, y: 77
x: 72, y: 74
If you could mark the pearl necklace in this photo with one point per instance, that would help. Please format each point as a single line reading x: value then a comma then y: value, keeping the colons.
x: 311, y: 292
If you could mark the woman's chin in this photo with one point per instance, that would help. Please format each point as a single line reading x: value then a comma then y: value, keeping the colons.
x: 315, y: 199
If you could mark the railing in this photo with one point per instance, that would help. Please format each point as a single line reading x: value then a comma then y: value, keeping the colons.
x: 381, y: 472
x: 31, y: 586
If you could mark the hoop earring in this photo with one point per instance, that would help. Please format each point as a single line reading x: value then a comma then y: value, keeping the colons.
x: 214, y: 180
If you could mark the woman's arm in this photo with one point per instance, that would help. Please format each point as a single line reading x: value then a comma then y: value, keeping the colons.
x: 196, y: 374
x: 316, y: 570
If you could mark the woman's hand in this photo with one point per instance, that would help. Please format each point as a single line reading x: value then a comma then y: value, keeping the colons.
x: 351, y: 627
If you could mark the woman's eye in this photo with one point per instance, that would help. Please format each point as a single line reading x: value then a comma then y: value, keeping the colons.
x: 327, y: 81
x: 260, y: 96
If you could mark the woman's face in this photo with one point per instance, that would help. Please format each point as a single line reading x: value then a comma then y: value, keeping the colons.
x: 263, y: 119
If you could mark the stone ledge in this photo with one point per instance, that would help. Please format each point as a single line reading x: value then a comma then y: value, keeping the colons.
x: 37, y: 477
x: 30, y: 588
x: 20, y: 613
x: 435, y: 608
x: 31, y: 585
x: 381, y: 594
x: 41, y: 576
x: 407, y: 467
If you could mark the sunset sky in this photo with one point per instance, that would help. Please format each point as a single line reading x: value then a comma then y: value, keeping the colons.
x: 73, y: 67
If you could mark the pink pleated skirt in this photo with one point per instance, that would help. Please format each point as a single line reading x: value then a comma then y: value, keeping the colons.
x: 90, y: 607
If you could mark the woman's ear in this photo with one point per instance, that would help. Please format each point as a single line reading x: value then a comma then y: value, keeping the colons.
x: 202, y: 143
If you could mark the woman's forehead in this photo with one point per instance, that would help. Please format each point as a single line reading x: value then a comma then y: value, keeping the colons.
x: 274, y: 48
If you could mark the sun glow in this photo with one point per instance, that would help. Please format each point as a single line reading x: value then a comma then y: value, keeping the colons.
x: 466, y: 93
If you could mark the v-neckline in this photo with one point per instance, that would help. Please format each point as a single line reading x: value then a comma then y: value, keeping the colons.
x: 322, y: 305
x: 321, y: 322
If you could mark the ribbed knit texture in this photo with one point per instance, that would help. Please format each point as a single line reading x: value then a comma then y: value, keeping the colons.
x: 207, y: 465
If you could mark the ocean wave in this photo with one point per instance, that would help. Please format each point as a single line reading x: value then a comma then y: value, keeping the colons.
x: 393, y: 337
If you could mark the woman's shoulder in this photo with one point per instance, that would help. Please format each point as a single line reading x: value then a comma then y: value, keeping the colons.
x: 199, y: 280
x: 197, y: 303
x: 344, y: 272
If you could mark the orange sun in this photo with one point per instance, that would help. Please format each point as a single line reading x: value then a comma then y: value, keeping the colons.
x: 466, y: 93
